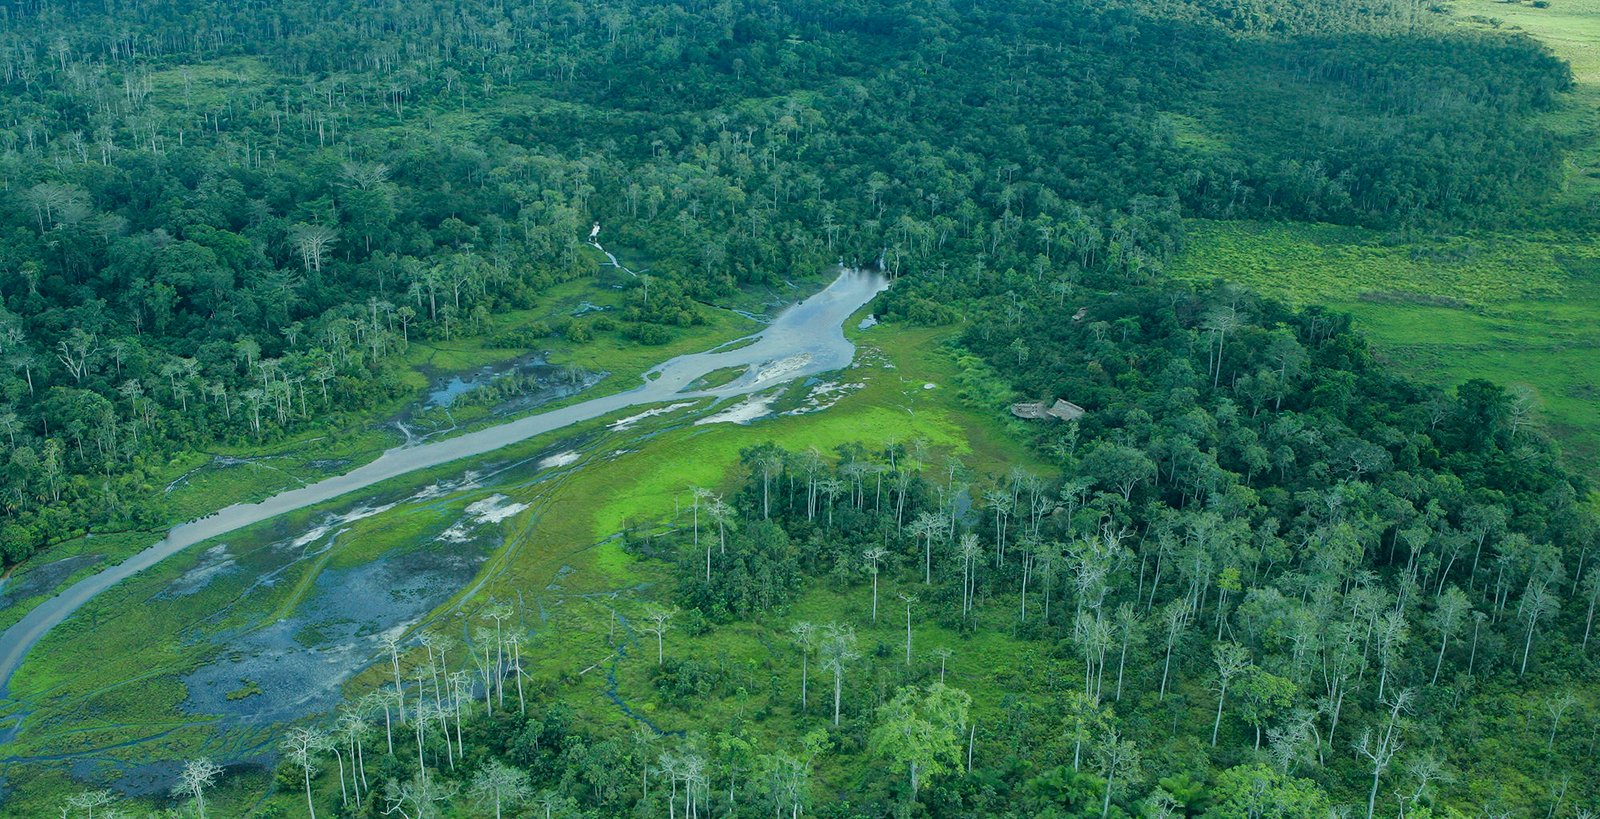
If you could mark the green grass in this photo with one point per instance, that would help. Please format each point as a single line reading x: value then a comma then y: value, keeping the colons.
x: 208, y: 85
x: 1571, y: 28
x: 1519, y: 306
x: 718, y: 378
x: 1519, y: 309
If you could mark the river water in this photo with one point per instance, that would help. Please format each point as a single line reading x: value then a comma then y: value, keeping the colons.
x: 805, y: 339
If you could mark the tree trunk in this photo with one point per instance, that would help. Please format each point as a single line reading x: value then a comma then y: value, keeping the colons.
x: 1216, y: 726
x: 309, y: 805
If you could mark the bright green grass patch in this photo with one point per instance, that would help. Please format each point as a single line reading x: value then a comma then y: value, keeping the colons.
x: 1571, y: 28
x: 718, y: 378
x: 1523, y: 310
x: 1192, y: 134
x: 1305, y: 264
x: 208, y: 85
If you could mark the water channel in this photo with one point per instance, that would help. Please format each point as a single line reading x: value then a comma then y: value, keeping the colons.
x: 805, y: 339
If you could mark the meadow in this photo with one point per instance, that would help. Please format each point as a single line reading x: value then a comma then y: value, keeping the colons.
x: 1522, y: 310
x: 1518, y: 304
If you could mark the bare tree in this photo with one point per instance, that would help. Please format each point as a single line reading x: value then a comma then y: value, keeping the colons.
x: 1380, y: 747
x: 1558, y: 706
x: 313, y: 242
x: 909, y: 599
x: 87, y: 801
x: 500, y: 784
x: 874, y: 556
x: 197, y: 776
x: 1538, y: 602
x: 805, y: 636
x: 1448, y: 616
x: 391, y: 642
x: 838, y: 651
x: 944, y: 653
x: 1591, y: 589
x: 1175, y: 618
x: 302, y: 746
x: 1232, y: 660
x: 1119, y: 761
x: 658, y: 620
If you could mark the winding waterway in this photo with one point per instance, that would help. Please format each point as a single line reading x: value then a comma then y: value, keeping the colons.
x: 805, y: 339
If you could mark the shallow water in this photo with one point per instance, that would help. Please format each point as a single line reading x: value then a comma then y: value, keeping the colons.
x: 805, y: 339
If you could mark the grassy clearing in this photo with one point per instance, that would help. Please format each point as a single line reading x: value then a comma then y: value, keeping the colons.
x: 1522, y: 310
x: 208, y: 85
x: 1571, y: 28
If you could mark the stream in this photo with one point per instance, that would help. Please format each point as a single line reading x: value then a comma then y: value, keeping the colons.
x: 807, y: 338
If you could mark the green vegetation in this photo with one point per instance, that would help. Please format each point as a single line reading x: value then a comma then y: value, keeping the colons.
x: 1322, y: 274
x: 237, y: 238
x: 1518, y: 309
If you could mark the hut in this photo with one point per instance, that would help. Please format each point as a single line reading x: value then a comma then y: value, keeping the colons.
x: 1037, y: 410
x: 1066, y: 410
x: 1029, y: 410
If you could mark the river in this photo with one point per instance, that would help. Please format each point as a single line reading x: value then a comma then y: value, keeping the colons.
x: 805, y: 339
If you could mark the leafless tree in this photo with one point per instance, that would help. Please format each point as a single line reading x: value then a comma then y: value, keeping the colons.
x: 197, y: 776
x: 657, y: 620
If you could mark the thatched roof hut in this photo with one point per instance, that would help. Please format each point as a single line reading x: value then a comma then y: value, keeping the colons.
x: 1066, y: 410
x: 1037, y: 411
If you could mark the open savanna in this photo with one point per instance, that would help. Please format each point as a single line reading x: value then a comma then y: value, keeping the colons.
x: 1522, y: 309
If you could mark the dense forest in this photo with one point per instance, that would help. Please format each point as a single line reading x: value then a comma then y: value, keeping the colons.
x: 227, y: 220
x: 1263, y: 576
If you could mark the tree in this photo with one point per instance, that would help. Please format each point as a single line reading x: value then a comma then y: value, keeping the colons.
x: 1130, y: 631
x: 1558, y: 706
x: 1175, y: 620
x: 838, y: 651
x: 1259, y: 791
x: 921, y: 732
x: 1084, y: 718
x: 1119, y: 761
x: 657, y: 620
x: 1379, y: 746
x: 1449, y: 614
x: 944, y: 653
x: 197, y: 776
x: 501, y: 785
x: 874, y: 556
x: 1119, y: 467
x: 909, y: 599
x: 391, y: 642
x: 88, y: 801
x: 313, y: 242
x: 301, y: 747
x: 1232, y: 660
x: 1591, y: 590
x: 421, y: 797
x: 1266, y: 695
x: 1538, y: 602
x: 805, y: 636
